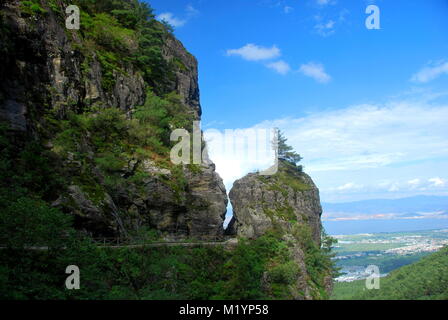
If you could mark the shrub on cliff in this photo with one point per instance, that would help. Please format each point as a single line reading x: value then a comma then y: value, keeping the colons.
x: 127, y: 31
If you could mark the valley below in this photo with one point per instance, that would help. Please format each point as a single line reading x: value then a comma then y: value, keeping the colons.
x: 388, y: 251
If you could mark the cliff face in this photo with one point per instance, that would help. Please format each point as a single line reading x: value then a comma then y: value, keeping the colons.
x: 262, y: 202
x: 85, y: 123
x: 287, y: 204
x: 42, y: 61
x: 186, y: 79
x: 48, y: 70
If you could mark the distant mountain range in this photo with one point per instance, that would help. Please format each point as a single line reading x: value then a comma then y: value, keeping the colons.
x: 418, y: 206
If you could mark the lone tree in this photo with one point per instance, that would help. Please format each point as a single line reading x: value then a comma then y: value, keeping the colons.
x: 285, y: 151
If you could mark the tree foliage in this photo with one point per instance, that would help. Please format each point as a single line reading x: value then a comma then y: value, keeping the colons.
x: 285, y: 151
x: 123, y: 32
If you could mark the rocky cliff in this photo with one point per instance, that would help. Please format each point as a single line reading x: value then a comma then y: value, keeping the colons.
x: 288, y: 205
x: 50, y: 75
x: 261, y: 203
x: 85, y: 123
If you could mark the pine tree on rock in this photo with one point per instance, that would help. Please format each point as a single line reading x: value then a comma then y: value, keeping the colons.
x: 286, y: 152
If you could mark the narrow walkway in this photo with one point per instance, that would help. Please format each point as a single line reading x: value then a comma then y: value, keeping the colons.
x: 228, y: 242
x: 175, y: 244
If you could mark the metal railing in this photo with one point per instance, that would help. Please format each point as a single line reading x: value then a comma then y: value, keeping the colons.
x: 119, y: 241
x: 170, y: 239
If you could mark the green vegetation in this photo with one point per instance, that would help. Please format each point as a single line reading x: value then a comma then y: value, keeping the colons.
x: 318, y: 260
x: 32, y: 7
x: 124, y: 33
x: 386, y: 263
x: 255, y: 269
x: 103, y: 138
x: 249, y: 261
x: 286, y: 179
x: 286, y: 152
x: 102, y: 150
x: 285, y: 213
x: 139, y: 273
x: 153, y: 273
x: 426, y: 279
x: 348, y: 290
x: 119, y: 35
x: 289, y: 173
x: 26, y: 170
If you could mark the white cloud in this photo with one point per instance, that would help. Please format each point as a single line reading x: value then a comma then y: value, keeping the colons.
x: 343, y: 15
x: 368, y: 136
x: 325, y: 2
x: 171, y: 19
x: 288, y: 9
x: 420, y: 184
x: 431, y: 72
x: 240, y: 151
x: 253, y: 52
x: 393, y: 188
x: 414, y: 183
x: 365, y: 151
x: 280, y: 67
x: 326, y: 23
x: 325, y: 29
x: 349, y: 186
x: 315, y: 71
x: 438, y: 182
x: 413, y: 186
x: 191, y: 11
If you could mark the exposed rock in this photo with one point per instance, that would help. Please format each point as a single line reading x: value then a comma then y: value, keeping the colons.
x: 43, y: 70
x: 259, y: 202
x: 186, y: 83
x: 128, y: 91
x: 285, y: 203
x: 14, y: 113
x: 150, y: 167
x: 40, y: 66
x: 101, y: 217
x: 207, y: 200
x: 231, y: 228
x: 198, y: 210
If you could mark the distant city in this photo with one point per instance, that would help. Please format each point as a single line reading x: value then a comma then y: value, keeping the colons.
x: 388, y: 251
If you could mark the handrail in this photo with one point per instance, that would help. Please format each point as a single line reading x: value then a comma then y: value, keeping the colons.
x: 137, y: 241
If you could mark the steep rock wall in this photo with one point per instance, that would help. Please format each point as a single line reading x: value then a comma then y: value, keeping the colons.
x: 45, y: 69
x: 288, y: 205
x: 260, y: 202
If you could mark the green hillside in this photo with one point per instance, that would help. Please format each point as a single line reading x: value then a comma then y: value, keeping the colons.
x: 426, y: 279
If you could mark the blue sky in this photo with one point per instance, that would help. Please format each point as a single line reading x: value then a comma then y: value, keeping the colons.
x: 367, y: 109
